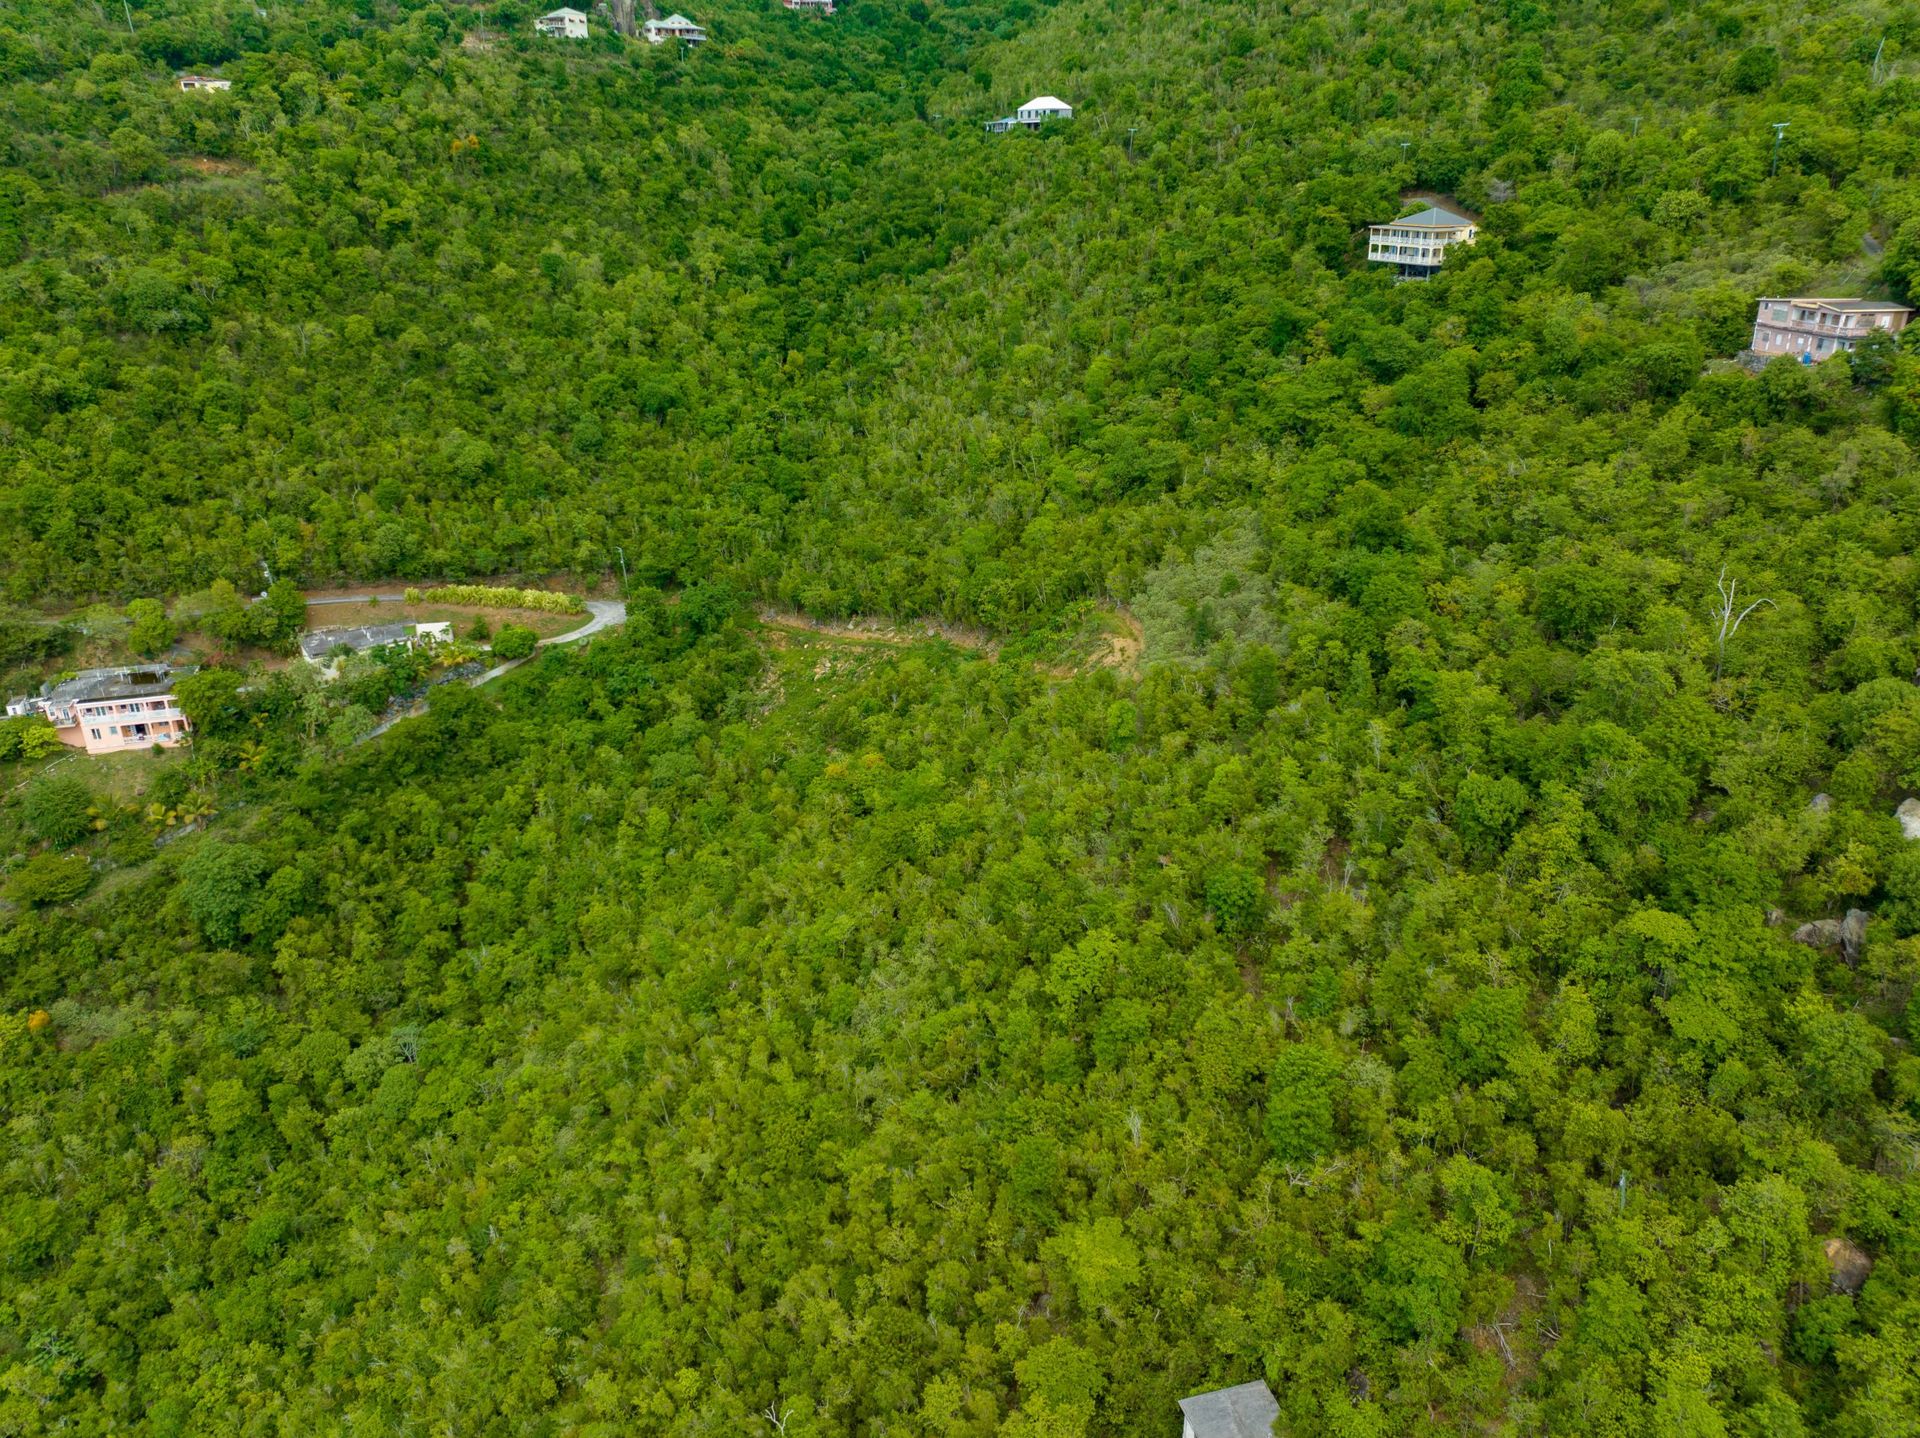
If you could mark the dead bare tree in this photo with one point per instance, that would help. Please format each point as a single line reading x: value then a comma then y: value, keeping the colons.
x: 1728, y: 622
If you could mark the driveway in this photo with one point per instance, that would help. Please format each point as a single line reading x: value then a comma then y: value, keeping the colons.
x: 606, y: 613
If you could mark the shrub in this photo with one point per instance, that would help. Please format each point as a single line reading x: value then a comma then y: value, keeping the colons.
x: 544, y: 600
x: 50, y: 879
x: 58, y: 810
x: 514, y: 641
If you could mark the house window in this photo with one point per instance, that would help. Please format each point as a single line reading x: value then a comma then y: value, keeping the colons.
x: 94, y: 732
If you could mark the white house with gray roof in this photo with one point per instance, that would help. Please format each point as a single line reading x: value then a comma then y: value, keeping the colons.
x: 1418, y: 242
x: 674, y: 27
x: 562, y: 24
x: 324, y: 648
x: 1032, y: 115
x: 1245, y: 1411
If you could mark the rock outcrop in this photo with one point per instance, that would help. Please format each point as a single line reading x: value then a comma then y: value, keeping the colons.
x: 1846, y: 935
x: 1849, y: 1264
x: 1909, y: 816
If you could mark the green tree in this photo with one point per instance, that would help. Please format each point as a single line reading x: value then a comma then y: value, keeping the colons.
x: 514, y: 641
x: 58, y: 809
x: 49, y: 879
x: 152, y: 631
x: 217, y: 885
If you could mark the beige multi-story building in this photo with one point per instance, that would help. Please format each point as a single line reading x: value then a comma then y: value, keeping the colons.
x: 1812, y: 329
x: 1419, y: 242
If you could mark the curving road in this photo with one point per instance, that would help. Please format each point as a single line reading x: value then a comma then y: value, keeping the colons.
x: 604, y: 614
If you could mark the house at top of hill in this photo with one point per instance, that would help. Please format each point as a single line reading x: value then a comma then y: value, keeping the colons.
x: 674, y: 27
x: 1812, y: 329
x: 1418, y: 242
x: 104, y: 711
x: 1032, y: 115
x: 1246, y: 1411
x: 204, y: 82
x: 565, y: 24
x: 821, y: 7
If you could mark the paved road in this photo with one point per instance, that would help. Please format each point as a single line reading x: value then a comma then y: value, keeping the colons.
x: 606, y: 613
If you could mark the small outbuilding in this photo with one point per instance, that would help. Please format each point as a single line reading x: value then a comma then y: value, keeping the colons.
x: 204, y: 82
x: 562, y: 24
x: 1245, y: 1411
x: 819, y: 7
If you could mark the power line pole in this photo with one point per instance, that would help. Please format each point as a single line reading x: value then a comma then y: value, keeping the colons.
x: 623, y: 567
x: 1130, y: 130
x: 1779, y: 129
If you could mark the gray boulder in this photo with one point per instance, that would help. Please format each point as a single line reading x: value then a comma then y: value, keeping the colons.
x: 1909, y: 816
x: 1847, y: 935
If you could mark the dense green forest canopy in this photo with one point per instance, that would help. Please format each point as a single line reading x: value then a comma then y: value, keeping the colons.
x: 1389, y: 990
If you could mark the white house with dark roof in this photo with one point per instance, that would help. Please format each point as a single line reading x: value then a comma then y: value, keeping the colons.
x: 1812, y: 329
x: 1417, y: 243
x: 324, y: 648
x: 674, y: 27
x: 1245, y: 1411
x: 562, y: 24
x: 1032, y: 115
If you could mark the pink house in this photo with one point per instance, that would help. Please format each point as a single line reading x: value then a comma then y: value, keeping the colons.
x: 107, y: 711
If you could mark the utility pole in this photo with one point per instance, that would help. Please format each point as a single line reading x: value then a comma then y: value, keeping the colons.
x: 623, y: 566
x: 1779, y: 129
x: 1130, y: 130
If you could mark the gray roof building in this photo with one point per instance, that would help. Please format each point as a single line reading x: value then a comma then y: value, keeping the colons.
x: 1434, y: 215
x: 1246, y: 1411
x: 132, y: 682
x: 317, y: 644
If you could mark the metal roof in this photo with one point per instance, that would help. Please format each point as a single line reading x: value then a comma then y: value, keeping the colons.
x: 1432, y: 216
x: 319, y: 643
x: 1246, y: 1411
x: 1871, y: 306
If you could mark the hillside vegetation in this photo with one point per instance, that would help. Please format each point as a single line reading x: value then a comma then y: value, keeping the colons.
x: 1389, y: 991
